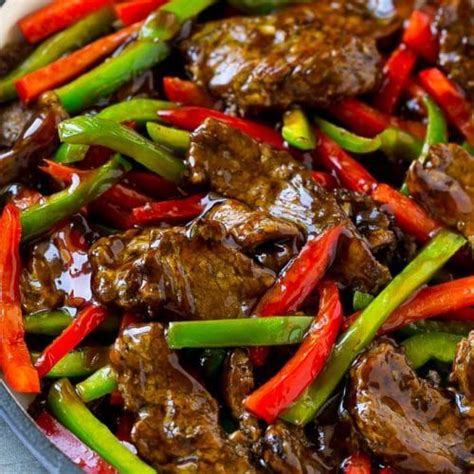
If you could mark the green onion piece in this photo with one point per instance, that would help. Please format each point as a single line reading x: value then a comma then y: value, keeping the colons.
x: 297, y: 130
x: 361, y: 300
x: 172, y: 138
x: 101, y: 383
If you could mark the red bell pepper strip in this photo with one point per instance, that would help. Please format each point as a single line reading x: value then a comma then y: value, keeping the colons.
x: 451, y: 99
x: 125, y: 424
x: 15, y: 358
x: 186, y: 92
x: 190, y: 118
x: 169, y: 211
x: 420, y: 36
x: 60, y: 72
x: 85, y: 322
x: 465, y: 314
x: 386, y: 470
x: 56, y: 16
x: 397, y: 71
x: 290, y: 382
x: 151, y: 184
x: 111, y: 214
x: 136, y: 10
x: 325, y: 180
x: 358, y: 463
x: 87, y: 459
x: 62, y: 173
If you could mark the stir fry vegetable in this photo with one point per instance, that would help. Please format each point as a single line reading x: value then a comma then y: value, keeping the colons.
x: 297, y: 130
x: 99, y: 384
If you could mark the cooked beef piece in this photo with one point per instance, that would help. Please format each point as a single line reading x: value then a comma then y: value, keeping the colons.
x: 456, y: 31
x: 178, y: 428
x: 189, y: 273
x: 310, y: 54
x: 13, y: 120
x: 404, y: 420
x: 236, y: 166
x: 463, y: 375
x: 38, y: 140
x: 444, y: 185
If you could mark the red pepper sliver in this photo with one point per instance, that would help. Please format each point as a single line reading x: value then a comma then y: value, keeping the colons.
x: 62, y: 173
x: 56, y: 16
x: 15, y: 359
x: 190, y: 118
x: 325, y: 180
x: 465, y: 314
x: 299, y: 372
x: 451, y: 99
x: 136, y: 10
x: 111, y: 214
x: 420, y: 37
x: 358, y: 463
x: 397, y: 71
x: 87, y: 459
x: 84, y: 323
x: 151, y: 184
x: 186, y: 92
x: 60, y: 72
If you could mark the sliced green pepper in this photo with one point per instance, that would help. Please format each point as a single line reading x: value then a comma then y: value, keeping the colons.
x: 460, y: 328
x: 172, y: 138
x: 97, y: 131
x: 361, y: 300
x: 297, y: 130
x: 40, y: 218
x: 435, y: 254
x: 75, y: 416
x: 101, y: 383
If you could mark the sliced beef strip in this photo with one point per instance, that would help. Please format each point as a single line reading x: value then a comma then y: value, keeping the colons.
x: 236, y: 166
x: 310, y: 54
x: 405, y: 421
x: 444, y: 185
x: 13, y: 120
x: 462, y: 375
x: 192, y: 275
x: 178, y: 428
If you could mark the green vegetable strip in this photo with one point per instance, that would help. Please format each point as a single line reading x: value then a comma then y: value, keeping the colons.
x: 136, y: 110
x: 297, y: 130
x: 80, y: 363
x: 75, y: 416
x: 422, y: 348
x: 271, y: 331
x: 78, y: 35
x: 459, y: 328
x: 437, y: 130
x: 99, y: 384
x: 361, y: 300
x: 172, y: 138
x: 97, y: 131
x: 39, y: 219
x: 362, y: 332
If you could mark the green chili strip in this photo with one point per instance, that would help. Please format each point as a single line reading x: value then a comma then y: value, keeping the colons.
x: 98, y: 385
x: 76, y: 417
x: 271, y: 331
x: 136, y: 110
x: 437, y: 130
x: 422, y: 348
x: 460, y: 328
x: 172, y: 138
x: 78, y: 35
x: 39, y: 219
x: 297, y: 130
x: 97, y: 131
x: 435, y: 254
x: 361, y: 300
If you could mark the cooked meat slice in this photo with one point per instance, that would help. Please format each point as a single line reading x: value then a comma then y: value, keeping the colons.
x: 405, y: 421
x: 13, y: 119
x: 456, y: 31
x: 444, y: 185
x: 238, y: 167
x: 178, y: 428
x: 463, y: 375
x: 311, y: 54
x: 191, y: 274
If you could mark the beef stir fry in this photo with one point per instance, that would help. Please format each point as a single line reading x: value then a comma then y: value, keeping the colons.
x: 238, y: 236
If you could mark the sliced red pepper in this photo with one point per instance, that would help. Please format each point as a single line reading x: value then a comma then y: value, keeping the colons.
x: 125, y: 424
x: 151, y: 184
x: 56, y: 16
x: 465, y: 314
x: 386, y: 470
x: 186, y: 92
x: 86, y: 321
x: 169, y: 211
x: 60, y: 72
x: 62, y: 173
x: 190, y: 118
x: 87, y: 459
x: 419, y: 35
x: 290, y: 382
x: 325, y: 180
x: 136, y: 10
x: 15, y: 359
x: 358, y: 463
x: 397, y: 71
x: 451, y: 99
x: 111, y: 214
x: 351, y: 173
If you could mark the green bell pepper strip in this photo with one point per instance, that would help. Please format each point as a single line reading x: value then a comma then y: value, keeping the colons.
x: 422, y: 348
x: 39, y: 219
x: 98, y: 385
x: 86, y: 130
x: 78, y: 35
x: 79, y: 363
x: 434, y: 255
x: 136, y: 110
x: 262, y: 7
x: 361, y: 300
x: 437, y: 130
x: 172, y: 138
x: 392, y: 141
x: 297, y: 130
x: 271, y: 331
x: 459, y: 328
x: 71, y: 412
